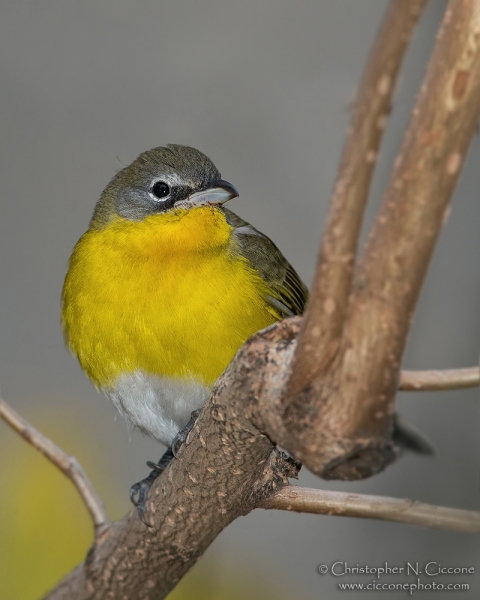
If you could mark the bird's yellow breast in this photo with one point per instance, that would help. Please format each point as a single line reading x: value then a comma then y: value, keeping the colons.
x: 170, y: 295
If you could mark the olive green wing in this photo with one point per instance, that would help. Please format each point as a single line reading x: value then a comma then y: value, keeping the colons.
x: 288, y: 293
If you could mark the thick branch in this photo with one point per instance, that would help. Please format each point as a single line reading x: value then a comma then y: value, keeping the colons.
x: 345, y: 504
x: 225, y: 469
x: 222, y: 471
x: 325, y: 314
x: 341, y: 427
x: 411, y: 216
x: 67, y: 464
x: 448, y: 379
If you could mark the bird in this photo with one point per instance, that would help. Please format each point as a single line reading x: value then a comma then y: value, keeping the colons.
x: 163, y: 289
x: 165, y: 286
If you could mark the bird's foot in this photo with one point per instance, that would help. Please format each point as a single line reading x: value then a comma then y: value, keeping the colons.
x: 181, y: 436
x: 139, y: 491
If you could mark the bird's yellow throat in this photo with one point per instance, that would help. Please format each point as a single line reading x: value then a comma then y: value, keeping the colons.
x: 169, y: 295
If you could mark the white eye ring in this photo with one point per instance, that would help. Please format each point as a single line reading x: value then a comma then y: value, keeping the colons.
x: 160, y: 191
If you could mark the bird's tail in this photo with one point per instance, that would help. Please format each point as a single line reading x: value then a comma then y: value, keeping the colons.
x: 408, y: 437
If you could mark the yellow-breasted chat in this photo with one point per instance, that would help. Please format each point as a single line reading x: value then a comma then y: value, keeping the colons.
x: 165, y: 286
x: 163, y: 289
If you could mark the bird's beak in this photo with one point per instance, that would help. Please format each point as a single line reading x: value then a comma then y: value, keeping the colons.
x: 216, y: 194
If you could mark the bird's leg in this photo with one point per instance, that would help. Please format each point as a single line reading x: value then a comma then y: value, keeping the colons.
x: 181, y: 436
x: 139, y: 491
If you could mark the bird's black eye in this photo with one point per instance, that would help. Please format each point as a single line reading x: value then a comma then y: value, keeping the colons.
x: 160, y: 190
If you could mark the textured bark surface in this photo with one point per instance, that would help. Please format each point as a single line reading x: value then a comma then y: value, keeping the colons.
x: 340, y: 424
x: 224, y: 470
x: 338, y: 421
x: 325, y: 315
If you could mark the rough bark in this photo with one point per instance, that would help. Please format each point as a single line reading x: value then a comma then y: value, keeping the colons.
x: 339, y: 425
x: 325, y: 315
x: 224, y: 470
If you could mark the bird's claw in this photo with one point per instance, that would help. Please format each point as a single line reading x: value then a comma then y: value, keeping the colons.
x: 138, y: 495
x: 181, y: 436
x: 155, y: 466
x: 134, y: 490
x: 139, y: 491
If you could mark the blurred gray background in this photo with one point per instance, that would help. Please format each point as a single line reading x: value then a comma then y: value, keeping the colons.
x: 263, y: 87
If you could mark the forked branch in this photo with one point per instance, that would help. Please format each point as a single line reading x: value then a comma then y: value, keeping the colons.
x: 325, y: 315
x: 412, y: 213
x: 340, y: 426
x: 301, y: 499
x: 224, y: 469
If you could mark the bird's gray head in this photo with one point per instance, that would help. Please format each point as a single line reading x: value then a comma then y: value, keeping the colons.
x: 159, y: 180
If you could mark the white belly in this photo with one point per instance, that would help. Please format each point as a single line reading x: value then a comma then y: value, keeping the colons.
x: 158, y: 406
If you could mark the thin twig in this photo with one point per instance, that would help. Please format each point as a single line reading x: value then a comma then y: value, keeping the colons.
x: 344, y: 504
x: 324, y: 318
x: 67, y: 464
x: 448, y: 379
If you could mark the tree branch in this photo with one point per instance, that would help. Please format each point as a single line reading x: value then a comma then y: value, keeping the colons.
x: 340, y: 426
x: 345, y: 504
x: 226, y: 468
x: 223, y: 470
x: 448, y: 379
x: 398, y: 251
x: 325, y: 315
x: 67, y: 464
